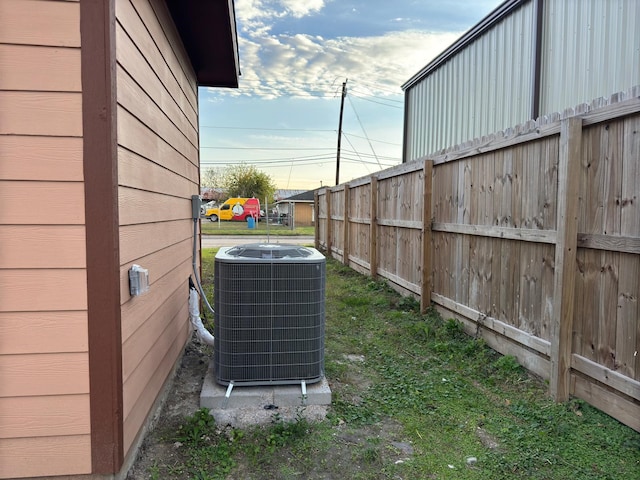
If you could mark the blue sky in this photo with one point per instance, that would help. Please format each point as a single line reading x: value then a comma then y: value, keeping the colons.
x: 294, y: 57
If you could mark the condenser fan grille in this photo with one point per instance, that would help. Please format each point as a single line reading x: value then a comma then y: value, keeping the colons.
x: 269, y: 320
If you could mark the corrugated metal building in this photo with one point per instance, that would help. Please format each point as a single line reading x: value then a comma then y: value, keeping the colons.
x: 526, y: 59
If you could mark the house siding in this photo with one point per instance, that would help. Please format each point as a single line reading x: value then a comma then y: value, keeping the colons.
x: 44, y: 373
x: 158, y: 171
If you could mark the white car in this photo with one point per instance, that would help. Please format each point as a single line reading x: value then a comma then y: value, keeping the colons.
x: 205, y: 206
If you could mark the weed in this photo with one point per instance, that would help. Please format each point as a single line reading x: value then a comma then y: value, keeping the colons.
x: 507, y: 369
x: 455, y: 330
x: 282, y: 433
x: 371, y: 455
x: 355, y: 301
x: 154, y: 471
x: 195, y: 429
x: 335, y: 369
x: 409, y: 304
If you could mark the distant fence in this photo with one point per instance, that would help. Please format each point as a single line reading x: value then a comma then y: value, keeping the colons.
x: 530, y: 237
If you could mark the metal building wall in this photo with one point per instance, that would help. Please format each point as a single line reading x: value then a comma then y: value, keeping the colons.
x: 590, y: 49
x: 483, y: 88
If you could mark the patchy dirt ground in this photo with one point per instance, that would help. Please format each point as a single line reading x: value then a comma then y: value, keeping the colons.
x: 349, y: 452
x: 182, y: 401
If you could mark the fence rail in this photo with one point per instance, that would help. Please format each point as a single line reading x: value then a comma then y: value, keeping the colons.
x: 530, y: 237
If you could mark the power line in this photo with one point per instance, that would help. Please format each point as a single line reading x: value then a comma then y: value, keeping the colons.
x: 378, y: 86
x: 266, y: 148
x: 289, y: 158
x: 326, y: 130
x: 379, y: 103
x: 221, y: 127
x: 372, y: 140
x: 270, y: 162
x: 368, y: 155
x: 367, y: 94
x: 346, y: 158
x: 365, y: 165
x: 363, y: 130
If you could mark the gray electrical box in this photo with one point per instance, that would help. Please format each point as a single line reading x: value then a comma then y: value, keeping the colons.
x: 196, y: 202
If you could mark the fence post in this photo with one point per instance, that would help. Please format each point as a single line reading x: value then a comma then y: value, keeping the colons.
x: 425, y: 286
x: 345, y: 233
x: 565, y: 257
x: 329, y: 228
x: 373, y: 229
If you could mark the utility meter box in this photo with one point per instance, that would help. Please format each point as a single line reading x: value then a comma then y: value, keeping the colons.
x: 138, y: 280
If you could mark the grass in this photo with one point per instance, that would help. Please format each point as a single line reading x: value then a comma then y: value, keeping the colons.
x: 241, y: 228
x: 400, y: 378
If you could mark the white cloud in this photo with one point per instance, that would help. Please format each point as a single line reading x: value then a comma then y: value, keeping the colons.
x: 301, y: 8
x: 295, y: 64
x: 254, y: 16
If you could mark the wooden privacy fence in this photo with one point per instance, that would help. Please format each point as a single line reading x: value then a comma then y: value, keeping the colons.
x: 530, y: 237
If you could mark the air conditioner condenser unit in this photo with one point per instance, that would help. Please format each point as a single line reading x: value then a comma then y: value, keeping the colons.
x: 269, y: 302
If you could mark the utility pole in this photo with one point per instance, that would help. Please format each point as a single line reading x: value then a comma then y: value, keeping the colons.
x: 344, y: 94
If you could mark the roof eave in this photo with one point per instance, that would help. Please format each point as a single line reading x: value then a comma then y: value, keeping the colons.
x: 209, y: 34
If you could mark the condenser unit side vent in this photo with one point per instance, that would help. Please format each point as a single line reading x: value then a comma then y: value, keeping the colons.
x: 269, y: 315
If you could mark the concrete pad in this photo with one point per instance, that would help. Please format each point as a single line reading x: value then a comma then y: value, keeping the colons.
x: 253, y: 405
x: 250, y: 417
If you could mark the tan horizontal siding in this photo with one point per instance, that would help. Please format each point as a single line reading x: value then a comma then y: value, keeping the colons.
x: 158, y: 171
x: 44, y: 374
x: 156, y: 333
x: 160, y: 263
x: 36, y: 22
x: 63, y: 203
x: 140, y: 21
x: 41, y: 113
x: 44, y: 368
x: 45, y: 456
x: 139, y: 37
x: 139, y: 206
x: 158, y: 376
x: 39, y: 416
x: 137, y: 172
x: 43, y: 332
x: 39, y: 68
x: 136, y: 241
x: 139, y: 138
x: 184, y: 71
x: 135, y: 100
x: 139, y: 309
x: 136, y: 383
x: 42, y: 246
x: 169, y: 98
x: 42, y: 158
x: 42, y: 290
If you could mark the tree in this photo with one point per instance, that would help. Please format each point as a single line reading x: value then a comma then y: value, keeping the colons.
x: 211, y: 178
x: 247, y: 181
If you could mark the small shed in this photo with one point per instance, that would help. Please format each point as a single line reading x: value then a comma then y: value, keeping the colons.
x: 99, y: 116
x: 299, y: 207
